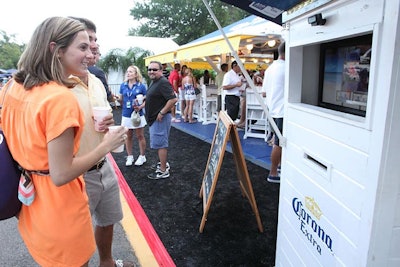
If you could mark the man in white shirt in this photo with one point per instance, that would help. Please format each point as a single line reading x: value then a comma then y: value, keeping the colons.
x: 273, y: 85
x: 232, y: 84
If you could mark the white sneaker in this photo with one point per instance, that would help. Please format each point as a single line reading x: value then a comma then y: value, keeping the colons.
x: 129, y: 161
x: 140, y: 160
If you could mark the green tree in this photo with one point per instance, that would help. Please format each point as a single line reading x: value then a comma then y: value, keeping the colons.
x: 183, y: 20
x: 118, y: 59
x: 10, y: 51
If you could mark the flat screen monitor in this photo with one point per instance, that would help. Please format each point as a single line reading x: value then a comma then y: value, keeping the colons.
x: 344, y: 74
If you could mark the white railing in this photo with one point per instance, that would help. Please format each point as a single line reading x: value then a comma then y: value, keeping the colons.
x: 114, y: 88
x: 208, y: 105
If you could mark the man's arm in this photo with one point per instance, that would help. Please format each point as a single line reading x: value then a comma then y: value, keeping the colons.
x: 170, y: 103
x: 168, y: 106
x: 229, y: 87
x: 175, y: 85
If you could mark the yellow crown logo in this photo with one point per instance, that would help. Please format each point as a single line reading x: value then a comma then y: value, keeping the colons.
x: 313, y: 207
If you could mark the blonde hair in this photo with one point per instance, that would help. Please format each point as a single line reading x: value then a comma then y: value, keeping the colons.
x: 139, y: 77
x: 38, y: 63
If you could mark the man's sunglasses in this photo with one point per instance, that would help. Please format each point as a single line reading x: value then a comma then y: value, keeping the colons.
x: 152, y: 70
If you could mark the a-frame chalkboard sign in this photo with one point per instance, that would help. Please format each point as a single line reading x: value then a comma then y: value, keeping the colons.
x: 226, y: 130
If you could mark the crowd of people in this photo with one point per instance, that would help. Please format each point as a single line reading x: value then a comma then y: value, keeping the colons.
x: 232, y: 85
x: 271, y: 81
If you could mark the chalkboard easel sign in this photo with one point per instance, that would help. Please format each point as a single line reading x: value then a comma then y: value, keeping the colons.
x: 225, y: 130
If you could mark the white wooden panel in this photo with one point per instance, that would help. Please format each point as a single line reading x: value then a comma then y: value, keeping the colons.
x: 336, y: 215
x: 342, y: 187
x: 293, y: 254
x: 342, y: 158
x: 348, y: 164
x: 342, y: 131
x: 396, y: 222
x: 394, y: 262
x: 337, y: 221
x: 371, y: 11
x: 394, y: 252
x: 351, y: 163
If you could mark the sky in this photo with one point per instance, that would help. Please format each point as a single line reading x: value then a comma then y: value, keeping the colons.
x: 112, y: 18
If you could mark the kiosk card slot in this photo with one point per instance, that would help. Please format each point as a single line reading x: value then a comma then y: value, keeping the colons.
x: 317, y: 164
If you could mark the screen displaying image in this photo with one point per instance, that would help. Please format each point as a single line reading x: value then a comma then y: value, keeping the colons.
x: 344, y: 74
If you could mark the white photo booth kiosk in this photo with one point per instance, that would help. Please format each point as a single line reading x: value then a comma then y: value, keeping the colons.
x: 340, y: 185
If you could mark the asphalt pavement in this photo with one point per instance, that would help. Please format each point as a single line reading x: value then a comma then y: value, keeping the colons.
x: 14, y: 253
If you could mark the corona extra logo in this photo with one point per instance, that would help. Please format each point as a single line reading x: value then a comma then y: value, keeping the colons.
x: 309, y: 215
x: 313, y: 207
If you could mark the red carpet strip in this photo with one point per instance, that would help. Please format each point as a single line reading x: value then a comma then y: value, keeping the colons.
x: 160, y: 253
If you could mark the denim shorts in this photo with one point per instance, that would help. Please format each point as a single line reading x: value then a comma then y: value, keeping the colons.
x: 159, y: 132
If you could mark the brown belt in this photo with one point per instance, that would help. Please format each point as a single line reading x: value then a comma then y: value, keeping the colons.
x: 98, y: 165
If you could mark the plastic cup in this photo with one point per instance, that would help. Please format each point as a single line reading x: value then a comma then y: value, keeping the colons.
x: 112, y: 129
x: 98, y: 114
x: 139, y: 99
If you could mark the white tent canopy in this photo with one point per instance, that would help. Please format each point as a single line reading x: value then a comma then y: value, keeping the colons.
x: 253, y: 38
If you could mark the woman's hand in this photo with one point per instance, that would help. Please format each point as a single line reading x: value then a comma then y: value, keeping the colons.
x: 138, y: 107
x: 106, y: 122
x: 116, y: 137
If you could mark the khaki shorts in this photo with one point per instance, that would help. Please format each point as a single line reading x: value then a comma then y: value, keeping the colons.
x: 103, y: 192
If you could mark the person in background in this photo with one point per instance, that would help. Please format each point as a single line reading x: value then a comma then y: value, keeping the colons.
x: 56, y: 227
x: 258, y: 77
x: 181, y: 98
x: 101, y: 181
x: 165, y: 71
x: 232, y: 83
x: 183, y: 69
x: 218, y: 81
x: 175, y: 80
x: 160, y: 99
x: 273, y: 85
x: 129, y: 90
x: 188, y: 85
x: 242, y: 120
x: 99, y: 73
x: 206, y: 77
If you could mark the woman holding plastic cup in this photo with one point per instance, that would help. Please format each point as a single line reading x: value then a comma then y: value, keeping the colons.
x: 132, y: 96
